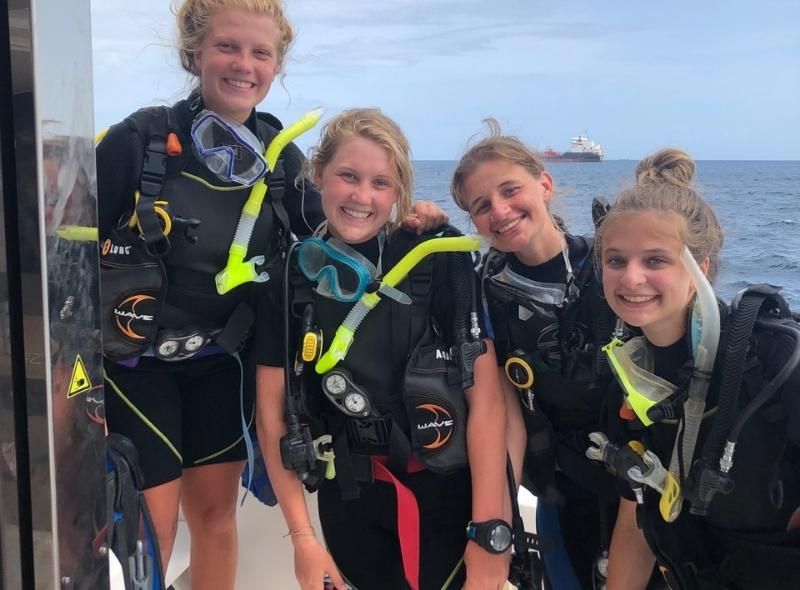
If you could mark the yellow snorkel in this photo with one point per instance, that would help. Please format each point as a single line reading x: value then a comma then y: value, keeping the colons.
x: 77, y: 233
x: 239, y: 271
x: 345, y: 333
x: 81, y: 233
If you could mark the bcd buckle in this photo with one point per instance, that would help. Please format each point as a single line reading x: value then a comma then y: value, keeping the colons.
x: 368, y: 435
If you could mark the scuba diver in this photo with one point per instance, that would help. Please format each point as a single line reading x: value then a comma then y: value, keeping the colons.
x: 372, y: 409
x: 172, y: 185
x: 549, y: 322
x: 196, y: 202
x: 705, y: 400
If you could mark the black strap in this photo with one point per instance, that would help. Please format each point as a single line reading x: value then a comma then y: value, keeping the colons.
x: 399, y: 451
x: 568, y: 316
x: 276, y: 186
x: 743, y: 320
x: 410, y: 321
x: 151, y: 181
x: 527, y: 570
x: 346, y: 476
x: 268, y: 127
x: 408, y: 325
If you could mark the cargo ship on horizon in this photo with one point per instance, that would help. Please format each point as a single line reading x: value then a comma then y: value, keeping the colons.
x: 581, y: 149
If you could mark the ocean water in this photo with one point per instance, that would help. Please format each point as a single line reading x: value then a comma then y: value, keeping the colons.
x: 757, y: 203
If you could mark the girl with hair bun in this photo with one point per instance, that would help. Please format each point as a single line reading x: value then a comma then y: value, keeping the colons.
x: 713, y: 488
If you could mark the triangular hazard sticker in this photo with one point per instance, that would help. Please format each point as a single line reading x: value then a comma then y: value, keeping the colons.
x: 79, y: 382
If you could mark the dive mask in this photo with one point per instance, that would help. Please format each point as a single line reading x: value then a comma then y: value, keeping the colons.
x: 230, y: 150
x: 534, y: 298
x: 340, y: 272
x: 633, y: 365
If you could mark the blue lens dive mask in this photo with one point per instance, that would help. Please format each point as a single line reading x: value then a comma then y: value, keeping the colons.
x: 230, y: 150
x: 340, y: 272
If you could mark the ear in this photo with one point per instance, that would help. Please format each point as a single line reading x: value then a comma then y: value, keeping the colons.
x: 318, y: 180
x: 547, y: 184
x: 196, y: 57
x: 705, y: 265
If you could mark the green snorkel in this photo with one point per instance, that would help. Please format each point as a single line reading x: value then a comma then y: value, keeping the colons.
x: 239, y: 271
x: 345, y: 333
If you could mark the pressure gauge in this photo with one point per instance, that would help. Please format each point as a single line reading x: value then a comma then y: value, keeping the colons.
x: 194, y: 343
x: 355, y: 403
x: 335, y: 384
x: 168, y: 348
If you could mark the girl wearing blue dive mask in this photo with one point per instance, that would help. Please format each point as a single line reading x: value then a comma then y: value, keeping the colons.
x: 364, y: 171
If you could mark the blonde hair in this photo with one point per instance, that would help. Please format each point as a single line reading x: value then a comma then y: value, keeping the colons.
x: 495, y: 146
x: 664, y: 183
x: 193, y: 17
x: 373, y: 125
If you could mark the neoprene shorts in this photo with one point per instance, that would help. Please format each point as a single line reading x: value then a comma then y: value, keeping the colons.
x: 362, y: 537
x: 180, y: 414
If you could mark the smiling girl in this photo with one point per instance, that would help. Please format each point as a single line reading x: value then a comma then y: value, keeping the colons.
x: 708, y: 521
x: 549, y: 323
x: 390, y: 518
x: 180, y: 406
x: 172, y: 184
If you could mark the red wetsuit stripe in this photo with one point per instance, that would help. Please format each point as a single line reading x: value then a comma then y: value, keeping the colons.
x: 407, y: 517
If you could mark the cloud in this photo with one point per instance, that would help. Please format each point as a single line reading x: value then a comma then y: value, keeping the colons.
x: 632, y: 74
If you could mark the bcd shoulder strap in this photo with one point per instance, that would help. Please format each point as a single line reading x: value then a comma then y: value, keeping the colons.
x: 268, y: 128
x: 410, y: 321
x: 153, y: 126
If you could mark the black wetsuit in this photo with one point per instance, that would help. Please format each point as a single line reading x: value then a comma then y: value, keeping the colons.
x: 577, y: 500
x: 742, y: 544
x: 362, y: 533
x: 188, y: 413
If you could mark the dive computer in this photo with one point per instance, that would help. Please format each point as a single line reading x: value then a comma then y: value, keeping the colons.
x: 493, y: 535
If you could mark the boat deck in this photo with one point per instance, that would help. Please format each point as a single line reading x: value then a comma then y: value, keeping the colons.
x: 265, y: 556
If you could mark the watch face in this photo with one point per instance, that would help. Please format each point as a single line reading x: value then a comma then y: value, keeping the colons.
x: 500, y: 537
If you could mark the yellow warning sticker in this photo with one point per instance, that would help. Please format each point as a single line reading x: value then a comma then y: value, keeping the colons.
x: 79, y: 382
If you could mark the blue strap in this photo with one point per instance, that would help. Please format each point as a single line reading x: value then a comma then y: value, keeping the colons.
x: 557, y: 564
x: 254, y: 476
x: 248, y: 443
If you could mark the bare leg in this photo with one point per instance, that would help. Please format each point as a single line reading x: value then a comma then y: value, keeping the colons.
x: 162, y: 501
x: 209, y: 505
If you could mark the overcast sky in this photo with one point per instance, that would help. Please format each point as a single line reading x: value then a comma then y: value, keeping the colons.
x: 719, y: 78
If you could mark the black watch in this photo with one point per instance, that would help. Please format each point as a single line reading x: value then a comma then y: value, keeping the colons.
x: 493, y: 535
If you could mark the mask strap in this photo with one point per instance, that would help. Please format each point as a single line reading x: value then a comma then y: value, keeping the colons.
x: 381, y: 243
x: 569, y: 287
x: 567, y: 264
